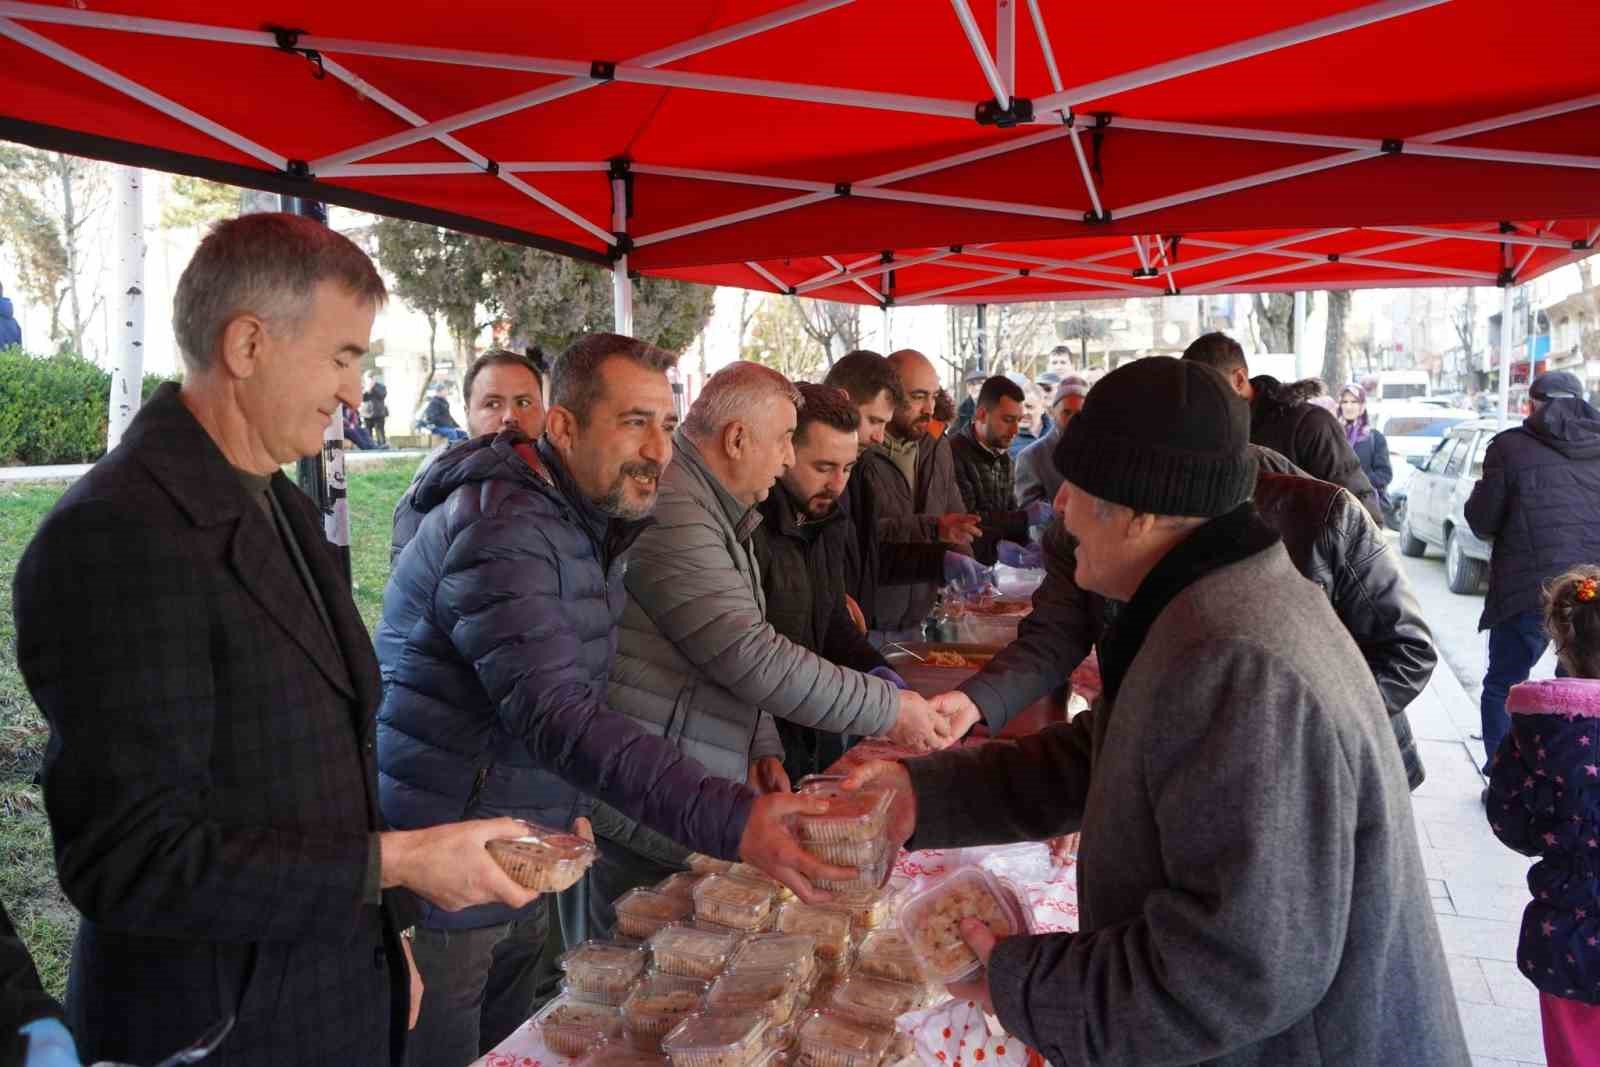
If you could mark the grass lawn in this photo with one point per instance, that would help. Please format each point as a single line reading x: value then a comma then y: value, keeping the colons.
x: 28, y: 886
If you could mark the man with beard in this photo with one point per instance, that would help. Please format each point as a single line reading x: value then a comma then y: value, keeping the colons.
x: 498, y: 634
x: 503, y: 391
x: 806, y: 547
x: 697, y: 659
x: 872, y: 386
x: 985, y: 474
x: 912, y: 476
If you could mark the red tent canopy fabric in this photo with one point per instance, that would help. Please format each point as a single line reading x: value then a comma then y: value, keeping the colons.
x: 875, y: 150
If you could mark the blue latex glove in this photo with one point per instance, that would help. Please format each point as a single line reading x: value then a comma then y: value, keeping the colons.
x: 50, y: 1045
x: 964, y: 571
x: 1029, y: 557
x: 1040, y: 512
x: 889, y: 676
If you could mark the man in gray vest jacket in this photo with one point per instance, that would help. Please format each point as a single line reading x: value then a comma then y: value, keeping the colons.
x: 1250, y: 886
x: 697, y: 659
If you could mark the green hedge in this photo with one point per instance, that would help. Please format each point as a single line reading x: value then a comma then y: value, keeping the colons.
x: 54, y: 409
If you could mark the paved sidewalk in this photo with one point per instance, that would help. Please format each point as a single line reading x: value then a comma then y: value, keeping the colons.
x: 1479, y: 886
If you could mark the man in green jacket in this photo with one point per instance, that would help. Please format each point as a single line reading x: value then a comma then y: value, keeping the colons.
x: 1250, y: 887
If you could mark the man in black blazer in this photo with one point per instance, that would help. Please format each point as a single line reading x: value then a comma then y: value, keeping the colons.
x: 211, y: 690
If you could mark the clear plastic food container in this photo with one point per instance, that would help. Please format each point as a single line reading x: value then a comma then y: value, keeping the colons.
x: 717, y: 1040
x: 700, y: 863
x: 543, y: 859
x: 658, y: 1004
x: 829, y: 1040
x: 780, y: 892
x: 572, y: 1027
x: 830, y: 928
x: 602, y: 971
x: 931, y: 920
x: 871, y: 875
x: 776, y: 952
x: 693, y: 953
x: 869, y: 909
x: 641, y: 912
x: 876, y: 1001
x: 622, y: 1054
x: 679, y: 885
x: 702, y: 923
x: 887, y: 954
x: 849, y: 853
x: 775, y: 994
x: 733, y: 901
x: 853, y: 814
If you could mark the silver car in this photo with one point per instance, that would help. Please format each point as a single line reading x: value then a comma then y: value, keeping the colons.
x: 1434, y: 499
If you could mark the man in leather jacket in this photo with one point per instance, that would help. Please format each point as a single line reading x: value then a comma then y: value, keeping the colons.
x: 1332, y: 541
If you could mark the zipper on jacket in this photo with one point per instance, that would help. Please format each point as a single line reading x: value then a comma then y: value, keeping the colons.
x: 478, y: 782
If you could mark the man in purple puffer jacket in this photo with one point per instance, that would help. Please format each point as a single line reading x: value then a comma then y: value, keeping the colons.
x: 498, y: 634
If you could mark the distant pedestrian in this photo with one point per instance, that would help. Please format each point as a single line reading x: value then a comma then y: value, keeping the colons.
x: 375, y: 407
x: 1545, y: 802
x: 1538, y: 500
x: 1370, y: 446
x: 10, y: 330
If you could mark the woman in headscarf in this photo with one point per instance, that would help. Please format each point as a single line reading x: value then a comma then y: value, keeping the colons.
x: 1369, y: 446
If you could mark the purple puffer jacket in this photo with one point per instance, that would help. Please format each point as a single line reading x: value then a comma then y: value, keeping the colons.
x: 1545, y: 802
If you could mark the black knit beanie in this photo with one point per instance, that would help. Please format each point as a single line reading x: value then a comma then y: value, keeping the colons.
x: 1162, y: 436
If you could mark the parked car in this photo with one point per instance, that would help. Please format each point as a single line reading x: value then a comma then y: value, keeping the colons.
x: 1437, y: 492
x: 1414, y: 428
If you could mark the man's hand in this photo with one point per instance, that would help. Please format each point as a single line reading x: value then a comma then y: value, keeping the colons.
x: 769, y: 844
x: 966, y: 572
x: 958, y: 529
x: 1040, y: 512
x: 883, y: 774
x: 856, y: 615
x: 918, y: 726
x: 960, y: 713
x: 981, y: 941
x: 768, y: 776
x: 1063, y: 849
x: 416, y: 984
x: 450, y: 866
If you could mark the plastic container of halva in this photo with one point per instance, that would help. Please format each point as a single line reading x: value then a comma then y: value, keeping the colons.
x: 543, y: 859
x: 931, y: 920
x: 716, y: 1040
x: 572, y: 1027
x: 733, y: 901
x: 603, y: 972
x: 641, y: 912
x: 657, y: 1005
x: 693, y: 953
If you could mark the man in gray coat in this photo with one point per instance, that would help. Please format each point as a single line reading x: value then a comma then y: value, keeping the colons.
x: 1251, y: 890
x: 697, y: 659
x: 1038, y: 477
x: 912, y: 477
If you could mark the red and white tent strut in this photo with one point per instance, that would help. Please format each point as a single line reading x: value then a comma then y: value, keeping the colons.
x: 743, y: 142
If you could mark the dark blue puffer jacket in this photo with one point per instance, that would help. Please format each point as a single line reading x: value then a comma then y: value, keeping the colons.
x: 498, y: 632
x: 1544, y: 786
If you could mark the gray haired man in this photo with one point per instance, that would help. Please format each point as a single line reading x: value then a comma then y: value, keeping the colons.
x: 697, y: 659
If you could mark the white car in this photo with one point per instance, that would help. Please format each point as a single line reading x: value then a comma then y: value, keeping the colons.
x: 1414, y: 428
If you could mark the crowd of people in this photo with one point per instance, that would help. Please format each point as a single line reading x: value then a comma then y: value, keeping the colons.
x: 602, y: 619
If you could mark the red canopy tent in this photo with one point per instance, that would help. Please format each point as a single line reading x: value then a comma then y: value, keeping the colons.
x: 903, y: 151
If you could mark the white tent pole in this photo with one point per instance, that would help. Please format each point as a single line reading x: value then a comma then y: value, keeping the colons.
x: 1288, y: 286
x: 1004, y: 207
x: 980, y: 51
x: 873, y: 271
x: 556, y: 206
x: 1011, y: 144
x: 771, y: 278
x: 127, y: 374
x: 1045, y: 263
x: 1467, y: 235
x: 1083, y: 169
x: 621, y: 283
x: 1516, y: 272
x: 857, y: 282
x: 736, y: 32
x: 734, y: 178
x: 1236, y: 251
x: 983, y: 268
x: 1005, y: 43
x: 1254, y: 46
x: 1505, y: 355
x: 729, y: 220
x: 127, y: 86
x: 1533, y: 114
x: 1301, y: 350
x: 1247, y: 182
x: 1043, y: 35
x: 1168, y: 273
x: 840, y: 268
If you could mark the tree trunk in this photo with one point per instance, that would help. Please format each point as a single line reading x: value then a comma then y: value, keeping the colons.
x: 69, y: 234
x: 1334, y: 367
x: 433, y: 361
x: 1274, y: 314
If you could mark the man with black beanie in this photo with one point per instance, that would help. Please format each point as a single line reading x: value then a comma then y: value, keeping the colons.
x: 1249, y: 877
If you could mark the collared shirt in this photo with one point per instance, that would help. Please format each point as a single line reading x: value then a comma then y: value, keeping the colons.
x: 904, y: 455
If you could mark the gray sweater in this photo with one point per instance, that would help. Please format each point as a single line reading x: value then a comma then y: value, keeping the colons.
x: 1250, y: 884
